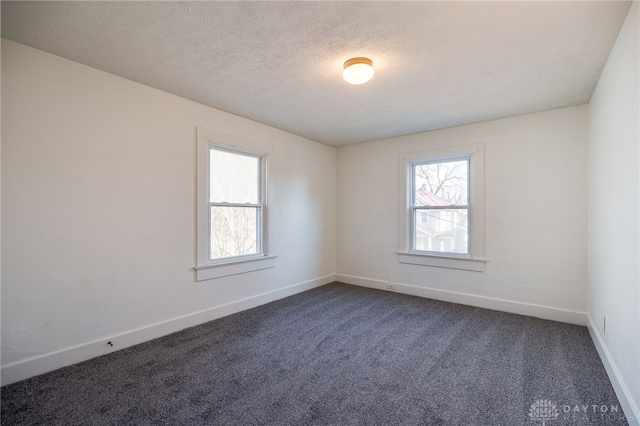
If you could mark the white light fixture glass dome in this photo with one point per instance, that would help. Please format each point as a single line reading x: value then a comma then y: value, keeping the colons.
x: 358, y: 70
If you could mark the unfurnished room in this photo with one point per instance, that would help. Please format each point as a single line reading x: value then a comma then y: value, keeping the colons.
x: 320, y: 213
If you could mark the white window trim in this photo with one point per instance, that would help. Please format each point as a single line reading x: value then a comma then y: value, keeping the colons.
x: 475, y: 261
x: 205, y: 268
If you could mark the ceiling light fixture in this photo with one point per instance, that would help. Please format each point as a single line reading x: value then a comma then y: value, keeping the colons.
x: 358, y: 70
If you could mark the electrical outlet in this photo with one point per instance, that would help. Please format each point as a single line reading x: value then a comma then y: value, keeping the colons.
x: 390, y: 286
x: 392, y: 278
x: 604, y: 324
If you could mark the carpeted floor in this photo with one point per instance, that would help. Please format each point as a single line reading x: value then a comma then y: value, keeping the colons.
x: 336, y: 355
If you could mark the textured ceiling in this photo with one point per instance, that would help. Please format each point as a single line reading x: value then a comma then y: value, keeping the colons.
x: 438, y: 64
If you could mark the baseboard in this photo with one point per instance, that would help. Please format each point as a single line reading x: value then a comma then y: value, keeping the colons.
x: 21, y: 370
x: 545, y: 312
x: 631, y: 410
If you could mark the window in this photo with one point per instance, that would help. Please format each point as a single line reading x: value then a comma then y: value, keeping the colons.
x: 442, y: 208
x: 232, y: 206
x: 235, y: 202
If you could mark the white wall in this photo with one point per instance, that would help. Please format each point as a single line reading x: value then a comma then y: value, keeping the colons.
x: 98, y: 210
x: 614, y: 214
x: 536, y: 219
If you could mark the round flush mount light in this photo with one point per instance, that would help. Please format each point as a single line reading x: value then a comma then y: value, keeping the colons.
x: 358, y: 70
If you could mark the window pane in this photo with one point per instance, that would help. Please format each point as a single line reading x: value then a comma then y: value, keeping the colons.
x: 233, y: 177
x: 441, y: 184
x: 234, y: 231
x: 442, y: 230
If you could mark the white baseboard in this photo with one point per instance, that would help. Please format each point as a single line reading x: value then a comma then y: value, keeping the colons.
x: 631, y: 410
x: 539, y: 311
x: 21, y: 370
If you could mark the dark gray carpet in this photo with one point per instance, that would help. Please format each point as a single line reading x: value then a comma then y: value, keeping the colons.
x: 336, y: 355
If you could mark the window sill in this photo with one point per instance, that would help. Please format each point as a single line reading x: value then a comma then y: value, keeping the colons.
x: 443, y: 261
x: 234, y: 267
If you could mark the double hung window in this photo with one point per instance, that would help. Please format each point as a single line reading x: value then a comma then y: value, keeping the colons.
x: 235, y: 203
x: 442, y: 208
x: 232, y: 208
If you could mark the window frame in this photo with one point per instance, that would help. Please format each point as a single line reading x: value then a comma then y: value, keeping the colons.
x: 415, y: 208
x: 207, y: 268
x: 475, y: 259
x: 258, y: 205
